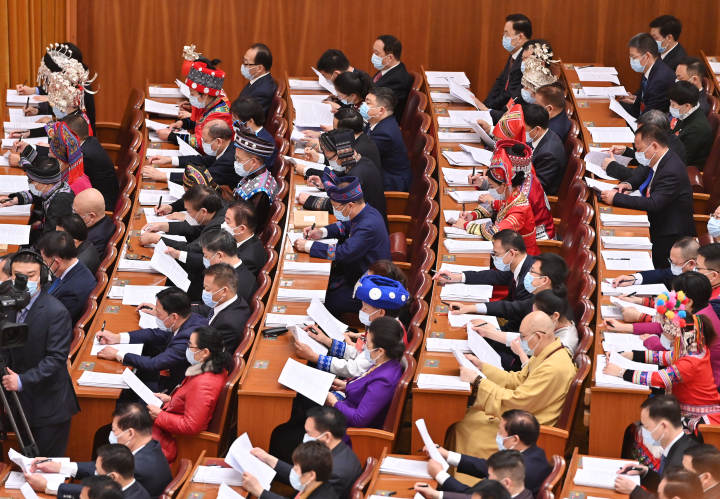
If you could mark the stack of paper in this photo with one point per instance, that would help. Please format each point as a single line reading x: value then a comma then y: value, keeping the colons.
x: 312, y: 114
x: 482, y: 156
x: 604, y: 479
x: 123, y: 348
x: 15, y: 234
x: 446, y: 345
x: 126, y: 265
x: 101, y: 380
x: 296, y: 84
x: 165, y: 92
x: 300, y: 295
x: 478, y: 293
x: 458, y: 116
x: 599, y: 92
x: 599, y: 185
x: 606, y: 380
x: 611, y: 134
x: 453, y: 267
x: 466, y: 196
x: 442, y: 382
x: 462, y: 320
x: 217, y: 475
x: 277, y: 320
x: 443, y: 97
x: 306, y: 268
x: 161, y: 108
x: 466, y: 246
x: 17, y: 115
x: 639, y: 289
x: 241, y: 460
x: 460, y: 158
x: 441, y: 78
x: 136, y: 294
x: 482, y: 349
x: 302, y: 336
x: 404, y: 467
x: 457, y: 233
x: 593, y: 73
x: 471, y: 137
x: 169, y: 267
x: 8, y: 143
x: 313, y: 383
x: 461, y: 92
x: 617, y: 108
x: 13, y: 98
x: 621, y: 342
x: 149, y: 197
x: 627, y: 260
x: 10, y: 126
x: 627, y: 243
x: 594, y: 160
x: 17, y: 210
x: 456, y: 176
x: 614, y: 220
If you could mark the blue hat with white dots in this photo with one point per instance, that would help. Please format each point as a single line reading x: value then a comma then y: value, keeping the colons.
x: 381, y: 292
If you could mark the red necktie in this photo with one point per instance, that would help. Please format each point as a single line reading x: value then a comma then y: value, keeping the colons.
x: 377, y: 76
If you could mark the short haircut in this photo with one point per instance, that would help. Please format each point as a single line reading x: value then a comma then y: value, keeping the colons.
x: 117, y: 458
x: 223, y: 275
x: 656, y: 118
x: 263, y: 55
x: 667, y: 25
x: 643, y: 42
x: 682, y: 484
x: 387, y: 334
x: 218, y: 240
x: 653, y: 133
x: 202, y: 196
x: 711, y: 254
x: 385, y: 97
x: 509, y: 239
x: 688, y: 246
x: 553, y: 95
x: 174, y: 301
x: 7, y: 260
x: 391, y: 45
x: 536, y: 115
x: 694, y: 67
x: 705, y: 459
x: 547, y: 301
x: 75, y: 226
x: 248, y: 108
x: 220, y: 130
x: 134, y: 415
x: 328, y: 419
x: 57, y: 243
x: 508, y: 463
x: 554, y: 267
x: 698, y: 288
x: 243, y: 213
x: 102, y: 487
x: 353, y: 83
x: 523, y: 424
x: 663, y: 407
x: 333, y: 60
x: 77, y: 123
x: 350, y: 118
x: 489, y: 489
x: 314, y: 456
x: 684, y: 92
x: 521, y: 24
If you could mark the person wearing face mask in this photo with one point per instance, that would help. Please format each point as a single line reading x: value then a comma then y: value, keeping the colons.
x: 391, y: 72
x: 690, y: 123
x: 250, y: 113
x: 552, y: 98
x: 38, y: 370
x: 50, y: 196
x: 352, y: 88
x: 665, y: 191
x: 656, y: 80
x: 665, y: 30
x: 220, y: 247
x: 338, y: 147
x: 704, y: 461
x: 165, y: 344
x: 385, y: 132
x: 692, y: 69
x: 65, y: 147
x: 256, y: 66
x: 713, y: 225
x: 241, y: 223
x: 541, y: 387
x: 362, y: 240
x: 327, y: 426
x: 708, y: 264
x: 518, y: 430
x: 90, y: 206
x: 516, y: 31
x: 190, y: 408
x: 548, y: 156
x: 661, y: 424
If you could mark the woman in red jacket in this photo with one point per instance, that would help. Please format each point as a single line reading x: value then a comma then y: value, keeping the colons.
x: 204, y: 380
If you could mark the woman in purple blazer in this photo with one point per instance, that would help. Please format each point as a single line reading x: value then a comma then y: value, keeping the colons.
x: 366, y: 399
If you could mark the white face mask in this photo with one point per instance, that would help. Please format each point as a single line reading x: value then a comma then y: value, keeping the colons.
x: 207, y: 149
x: 196, y: 102
x: 334, y: 165
x: 191, y: 220
x: 365, y: 318
x: 224, y: 226
x: 240, y: 169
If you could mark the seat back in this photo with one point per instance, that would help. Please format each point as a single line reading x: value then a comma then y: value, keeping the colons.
x: 585, y: 342
x: 181, y: 475
x: 547, y: 489
x: 582, y: 362
x: 416, y: 102
x: 220, y: 418
x: 277, y: 125
x: 392, y: 419
x: 712, y: 164
x: 78, y: 337
x: 111, y: 253
x: 92, y: 303
x: 358, y: 488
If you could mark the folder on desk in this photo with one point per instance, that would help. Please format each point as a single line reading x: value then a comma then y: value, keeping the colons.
x: 611, y: 134
x: 308, y: 381
x: 615, y: 220
x: 241, y: 459
x: 161, y: 108
x: 466, y: 246
x: 440, y: 78
x: 305, y: 218
x: 101, y: 380
x: 442, y: 382
x: 458, y: 291
x: 627, y: 243
x: 216, y: 475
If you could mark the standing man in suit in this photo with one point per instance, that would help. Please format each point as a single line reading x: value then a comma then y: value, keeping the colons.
x: 665, y: 30
x: 516, y: 31
x: 386, y: 134
x: 220, y: 247
x: 391, y: 72
x: 261, y: 86
x: 665, y: 191
x: 241, y: 223
x: 552, y: 98
x: 250, y: 113
x: 656, y: 77
x: 38, y: 370
x: 693, y: 70
x: 689, y: 123
x: 661, y: 423
x: 548, y: 157
x: 73, y: 282
x: 90, y: 206
x: 224, y: 309
x: 87, y: 254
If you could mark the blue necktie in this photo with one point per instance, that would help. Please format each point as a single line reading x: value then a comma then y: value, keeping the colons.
x: 643, y: 86
x: 662, y: 464
x: 54, y: 285
x: 211, y: 314
x: 645, y: 185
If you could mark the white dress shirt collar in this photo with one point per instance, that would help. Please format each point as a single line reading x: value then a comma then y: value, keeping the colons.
x: 252, y: 82
x: 222, y: 307
x: 388, y: 69
x: 670, y: 445
x: 516, y: 272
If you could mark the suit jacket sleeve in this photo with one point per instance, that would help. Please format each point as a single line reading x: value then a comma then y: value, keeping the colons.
x: 204, y: 160
x: 85, y: 469
x: 452, y: 484
x: 493, y: 276
x: 154, y: 335
x: 68, y: 490
x: 171, y: 356
x: 655, y: 275
x: 474, y: 466
x: 57, y: 349
x: 510, y: 309
x: 266, y: 494
x: 662, y: 194
x: 196, y: 415
x: 547, y: 167
x: 638, y: 176
x: 283, y: 471
x: 618, y: 171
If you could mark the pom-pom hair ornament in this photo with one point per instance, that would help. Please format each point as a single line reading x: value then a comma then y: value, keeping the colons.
x: 672, y: 306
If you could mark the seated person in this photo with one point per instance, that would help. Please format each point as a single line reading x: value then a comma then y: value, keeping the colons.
x: 89, y: 205
x: 519, y: 431
x: 516, y: 31
x: 352, y: 88
x: 541, y: 386
x: 251, y: 114
x: 131, y: 428
x: 689, y: 123
x: 257, y: 185
x: 241, y: 223
x: 704, y: 461
x: 362, y: 240
x: 693, y: 70
x: 72, y: 282
x: 6, y: 267
x: 552, y: 98
x: 683, y: 258
x: 164, y: 345
x: 383, y: 129
x: 391, y: 72
x: 344, y: 359
x: 665, y: 30
x: 65, y: 147
x: 332, y: 62
x: 548, y: 156
x: 327, y: 426
x: 192, y: 175
x: 220, y: 247
x: 708, y: 264
x: 713, y: 225
x: 256, y: 66
x: 310, y: 474
x: 227, y: 312
x: 209, y: 367
x: 486, y: 489
x: 87, y: 254
x: 100, y: 487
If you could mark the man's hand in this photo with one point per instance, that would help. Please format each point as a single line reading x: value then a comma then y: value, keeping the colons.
x: 517, y: 349
x: 628, y: 99
x: 485, y: 126
x: 487, y: 331
x: 31, y: 111
x: 108, y: 353
x: 468, y: 374
x: 25, y: 90
x: 320, y: 337
x: 156, y: 227
x: 148, y: 308
x: 47, y: 467
x: 613, y: 370
x: 314, y: 181
x: 442, y: 450
x: 475, y: 361
x: 480, y: 105
x: 608, y: 196
x: 445, y: 277
x: 20, y: 134
x: 624, y: 187
x: 458, y: 308
x: 107, y: 337
x: 6, y: 201
x: 263, y: 456
x: 426, y: 491
x: 312, y: 234
x: 173, y: 252
x: 149, y: 238
x: 304, y: 351
x: 165, y: 209
x: 631, y: 314
x: 433, y: 467
x: 302, y: 197
x: 36, y: 481
x: 311, y: 155
x: 251, y: 484
x: 607, y: 161
x: 153, y: 173
x: 624, y: 485
x: 11, y: 381
x: 177, y: 217
x: 623, y: 280
x: 299, y: 245
x: 632, y: 299
x: 476, y: 179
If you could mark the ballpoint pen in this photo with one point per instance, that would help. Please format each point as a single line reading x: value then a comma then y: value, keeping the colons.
x: 159, y: 202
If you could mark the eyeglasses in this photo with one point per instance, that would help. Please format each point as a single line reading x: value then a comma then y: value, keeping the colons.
x: 536, y: 274
x: 705, y: 268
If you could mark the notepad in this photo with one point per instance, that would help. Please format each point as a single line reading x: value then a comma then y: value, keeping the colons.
x: 165, y: 92
x: 308, y: 381
x: 10, y: 126
x: 240, y: 459
x: 8, y: 143
x: 482, y: 349
x: 614, y: 220
x: 312, y: 114
x: 101, y: 380
x: 466, y: 196
x: 440, y: 78
x: 307, y: 268
x: 471, y: 137
x: 169, y: 267
x: 457, y: 233
x: 123, y: 348
x: 161, y: 108
x: 217, y: 475
x: 17, y: 115
x: 442, y: 382
x: 16, y: 99
x: 15, y: 234
x: 604, y: 479
x: 446, y: 345
x: 629, y: 242
x: 627, y: 260
x: 618, y: 109
x: 302, y: 336
x: 300, y: 295
x: 611, y: 134
x: 458, y: 291
x: 482, y: 156
x: 327, y: 322
x: 467, y: 246
x: 600, y: 92
x: 621, y: 342
x: 277, y: 320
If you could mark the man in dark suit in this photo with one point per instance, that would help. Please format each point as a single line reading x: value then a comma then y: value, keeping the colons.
x: 73, y: 281
x: 552, y: 98
x: 261, y: 86
x: 386, y: 134
x: 90, y: 206
x: 689, y: 123
x: 225, y: 310
x: 38, y: 370
x: 332, y: 62
x: 391, y: 72
x: 87, y: 254
x: 516, y: 31
x: 165, y: 344
x: 548, y: 157
x: 98, y: 166
x: 665, y: 191
x: 656, y: 77
x: 665, y: 30
x: 693, y: 70
x: 660, y: 417
x: 704, y: 461
x: 251, y: 114
x: 241, y: 223
x: 220, y: 247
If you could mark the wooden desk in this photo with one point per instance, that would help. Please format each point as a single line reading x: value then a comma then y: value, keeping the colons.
x: 396, y: 485
x: 196, y: 490
x: 5, y: 470
x: 569, y: 486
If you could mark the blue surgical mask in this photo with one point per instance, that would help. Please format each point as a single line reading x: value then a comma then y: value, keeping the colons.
x: 245, y: 72
x: 499, y: 441
x: 161, y: 324
x: 522, y: 67
x: 112, y: 438
x: 675, y: 113
x: 526, y: 347
x: 190, y: 357
x: 207, y: 298
x: 661, y: 49
x: 528, y: 282
x: 364, y: 318
x: 500, y: 264
x: 713, y: 227
x: 295, y: 481
x: 675, y: 269
x: 507, y: 43
x: 35, y: 191
x: 528, y: 139
x: 32, y: 287
x: 196, y: 102
x: 363, y: 110
x: 224, y: 226
x: 527, y: 96
x: 368, y: 357
x: 636, y: 65
x: 377, y: 62
x: 648, y: 438
x: 58, y: 113
x: 334, y: 165
x: 340, y: 216
x: 346, y: 102
x: 207, y: 149
x: 640, y: 157
x: 206, y: 262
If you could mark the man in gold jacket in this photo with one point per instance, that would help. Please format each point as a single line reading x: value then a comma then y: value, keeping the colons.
x: 539, y: 388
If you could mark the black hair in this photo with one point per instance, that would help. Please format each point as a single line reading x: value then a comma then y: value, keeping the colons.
x: 682, y: 484
x: 332, y: 60
x: 387, y: 268
x: 553, y: 94
x: 118, y: 458
x: 210, y: 338
x: 705, y: 459
x: 643, y: 42
x: 248, y: 108
x: 75, y: 226
x: 174, y: 301
x: 219, y: 129
x: 57, y: 243
x: 210, y: 63
x: 314, y: 456
x: 663, y: 407
x: 656, y: 118
x: 521, y: 24
x: 328, y: 419
x: 653, y: 133
x: 711, y: 254
x: 218, y: 240
x: 350, y: 118
x: 223, y: 275
x: 694, y: 66
x: 7, y: 260
x: 263, y: 56
x: 102, y: 487
x: 133, y: 415
x: 244, y: 213
x: 201, y: 196
x: 535, y: 115
x: 489, y: 489
x: 385, y: 97
x: 508, y: 463
x: 509, y: 239
x: 547, y: 301
x: 78, y: 125
x: 554, y: 267
x: 667, y: 25
x: 353, y: 83
x: 523, y: 424
x: 696, y: 286
x: 684, y: 92
x: 387, y: 334
x: 391, y: 45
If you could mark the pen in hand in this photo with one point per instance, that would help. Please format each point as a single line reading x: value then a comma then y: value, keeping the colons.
x: 159, y: 202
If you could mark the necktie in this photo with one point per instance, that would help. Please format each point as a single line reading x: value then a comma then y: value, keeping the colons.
x: 54, y: 285
x: 377, y: 76
x: 643, y: 85
x: 22, y: 315
x: 645, y: 186
x: 211, y: 314
x: 662, y: 464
